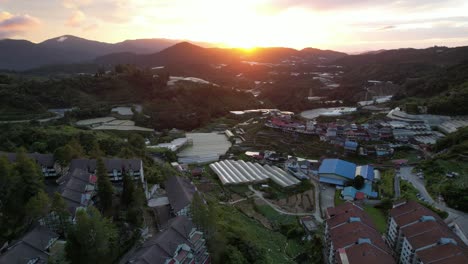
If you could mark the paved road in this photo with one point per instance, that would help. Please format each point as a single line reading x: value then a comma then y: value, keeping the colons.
x: 327, y: 197
x: 396, y: 185
x: 455, y: 217
x: 407, y: 173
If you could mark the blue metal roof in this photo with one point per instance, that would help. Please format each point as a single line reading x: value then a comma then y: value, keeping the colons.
x: 351, y: 145
x: 367, y: 171
x: 349, y: 191
x: 332, y: 181
x: 339, y: 167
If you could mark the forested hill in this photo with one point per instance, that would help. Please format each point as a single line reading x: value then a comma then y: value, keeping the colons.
x: 184, y: 105
x: 400, y: 64
x: 187, y: 53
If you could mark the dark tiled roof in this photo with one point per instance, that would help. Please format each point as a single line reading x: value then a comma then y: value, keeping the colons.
x: 366, y: 253
x: 74, y: 187
x: 163, y: 246
x: 409, y: 212
x: 111, y: 164
x: 179, y: 192
x: 33, y: 245
x: 443, y: 254
x: 46, y: 160
x: 354, y: 236
x: 425, y: 229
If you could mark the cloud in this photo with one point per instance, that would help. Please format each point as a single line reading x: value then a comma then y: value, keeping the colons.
x: 90, y: 27
x: 12, y: 25
x: 76, y: 19
x: 387, y: 27
x: 354, y: 4
x: 73, y: 4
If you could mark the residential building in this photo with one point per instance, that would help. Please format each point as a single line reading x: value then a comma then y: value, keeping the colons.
x: 33, y: 248
x: 45, y: 161
x: 180, y: 191
x: 418, y: 235
x: 351, y: 237
x: 78, y: 190
x: 115, y: 167
x: 180, y: 243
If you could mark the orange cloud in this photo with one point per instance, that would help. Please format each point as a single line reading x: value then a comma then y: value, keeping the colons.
x: 76, y: 19
x: 12, y: 25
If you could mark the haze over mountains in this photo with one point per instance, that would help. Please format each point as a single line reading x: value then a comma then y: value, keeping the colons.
x: 23, y: 54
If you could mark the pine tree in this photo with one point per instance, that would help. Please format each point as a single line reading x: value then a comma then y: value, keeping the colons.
x: 93, y: 239
x: 38, y: 206
x: 128, y: 190
x: 105, y: 189
x: 58, y: 208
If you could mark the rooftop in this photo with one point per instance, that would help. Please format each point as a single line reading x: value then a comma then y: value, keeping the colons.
x: 339, y: 167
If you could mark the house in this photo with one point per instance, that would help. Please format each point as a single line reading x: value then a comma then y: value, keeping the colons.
x: 181, y: 242
x: 115, y: 167
x: 45, y: 161
x: 350, y: 146
x: 351, y: 237
x: 366, y: 171
x: 336, y: 171
x: 78, y: 190
x: 308, y: 224
x: 418, y: 235
x: 32, y: 248
x: 180, y: 193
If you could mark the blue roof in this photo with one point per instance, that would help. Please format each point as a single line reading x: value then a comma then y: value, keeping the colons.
x: 339, y: 167
x: 367, y: 171
x: 351, y: 144
x: 349, y: 191
x: 366, y: 189
x: 332, y: 181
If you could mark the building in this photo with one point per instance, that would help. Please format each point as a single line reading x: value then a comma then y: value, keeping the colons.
x: 336, y: 171
x: 78, y: 190
x: 351, y: 237
x: 32, y: 248
x: 115, y: 168
x: 181, y: 242
x: 180, y: 193
x: 351, y: 146
x: 417, y: 235
x: 45, y: 161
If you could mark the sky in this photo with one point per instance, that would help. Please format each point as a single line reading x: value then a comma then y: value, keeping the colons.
x: 344, y: 25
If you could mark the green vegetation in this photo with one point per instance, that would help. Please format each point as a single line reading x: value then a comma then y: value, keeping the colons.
x: 276, y: 218
x: 21, y: 194
x: 239, y: 239
x: 93, y: 239
x: 338, y: 199
x: 386, y: 188
x: 378, y: 217
x: 358, y: 182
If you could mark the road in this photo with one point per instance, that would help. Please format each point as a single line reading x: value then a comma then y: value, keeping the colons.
x: 455, y: 217
x: 396, y: 185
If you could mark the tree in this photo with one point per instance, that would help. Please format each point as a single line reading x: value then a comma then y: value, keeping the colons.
x: 38, y: 206
x: 358, y: 182
x: 128, y: 190
x: 30, y: 176
x: 93, y: 239
x: 95, y: 150
x: 105, y: 189
x: 61, y: 215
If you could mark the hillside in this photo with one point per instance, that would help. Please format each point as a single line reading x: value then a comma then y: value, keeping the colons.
x: 24, y: 55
